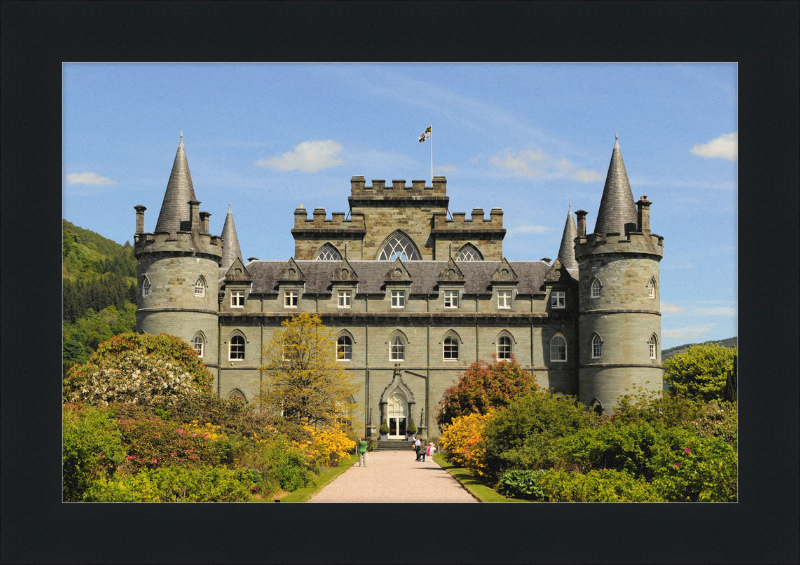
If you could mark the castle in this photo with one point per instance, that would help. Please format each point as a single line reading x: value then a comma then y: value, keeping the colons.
x: 414, y: 296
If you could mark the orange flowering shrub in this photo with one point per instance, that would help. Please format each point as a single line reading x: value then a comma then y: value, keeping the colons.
x: 330, y: 444
x: 463, y: 440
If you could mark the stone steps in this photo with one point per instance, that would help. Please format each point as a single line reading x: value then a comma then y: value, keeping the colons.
x: 394, y: 445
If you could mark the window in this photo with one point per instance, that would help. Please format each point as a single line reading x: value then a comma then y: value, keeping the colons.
x: 595, y: 288
x: 200, y: 287
x: 504, y: 299
x: 198, y: 345
x: 504, y: 348
x: 237, y: 394
x: 597, y: 347
x: 557, y: 299
x: 236, y: 349
x: 558, y: 349
x: 450, y: 349
x: 237, y: 299
x: 469, y: 253
x: 344, y: 348
x: 344, y: 299
x: 329, y: 253
x: 399, y: 246
x: 290, y: 299
x: 146, y: 287
x: 652, y: 344
x: 451, y: 299
x: 651, y: 288
x: 397, y: 349
x: 398, y: 299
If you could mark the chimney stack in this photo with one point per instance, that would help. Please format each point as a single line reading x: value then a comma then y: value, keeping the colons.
x: 204, y: 216
x: 581, y: 214
x: 643, y: 214
x: 139, y: 218
x: 194, y: 214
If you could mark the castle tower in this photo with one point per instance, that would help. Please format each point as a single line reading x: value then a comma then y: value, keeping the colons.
x: 566, y: 252
x: 619, y: 344
x: 230, y: 242
x: 178, y: 268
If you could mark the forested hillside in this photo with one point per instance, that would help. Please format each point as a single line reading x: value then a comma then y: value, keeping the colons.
x: 99, y: 291
x: 672, y: 351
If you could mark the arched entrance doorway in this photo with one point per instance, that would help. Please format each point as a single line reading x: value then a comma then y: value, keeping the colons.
x: 396, y: 410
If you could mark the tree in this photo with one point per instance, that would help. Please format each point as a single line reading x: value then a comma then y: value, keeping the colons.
x: 483, y: 386
x: 701, y: 371
x: 303, y: 380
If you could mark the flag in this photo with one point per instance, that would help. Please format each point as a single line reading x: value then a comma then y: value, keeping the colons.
x: 425, y: 135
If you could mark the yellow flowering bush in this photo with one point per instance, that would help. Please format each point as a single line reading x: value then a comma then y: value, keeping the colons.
x: 330, y: 444
x: 463, y: 441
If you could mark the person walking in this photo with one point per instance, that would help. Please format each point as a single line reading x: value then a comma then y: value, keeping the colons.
x: 417, y: 446
x: 430, y: 451
x: 362, y: 452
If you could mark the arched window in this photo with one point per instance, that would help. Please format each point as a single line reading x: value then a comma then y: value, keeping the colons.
x: 236, y: 348
x: 558, y: 348
x: 651, y: 288
x: 399, y: 245
x: 200, y: 287
x: 237, y: 394
x: 469, y: 253
x: 652, y: 343
x: 450, y: 348
x: 504, y: 348
x: 596, y: 288
x: 597, y: 407
x: 597, y: 347
x: 328, y: 253
x: 344, y: 348
x: 199, y: 345
x: 397, y: 349
x: 145, y: 286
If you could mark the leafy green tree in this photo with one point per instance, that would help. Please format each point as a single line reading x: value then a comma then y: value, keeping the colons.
x: 483, y: 386
x: 701, y: 371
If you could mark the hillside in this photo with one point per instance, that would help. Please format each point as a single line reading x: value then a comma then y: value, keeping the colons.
x: 87, y: 254
x: 667, y: 353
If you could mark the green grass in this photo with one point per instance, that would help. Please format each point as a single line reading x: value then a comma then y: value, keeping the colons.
x: 322, y: 480
x: 473, y: 485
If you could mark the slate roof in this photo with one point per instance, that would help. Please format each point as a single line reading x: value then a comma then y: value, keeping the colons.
x: 477, y: 274
x: 230, y: 242
x: 175, y: 213
x: 617, y: 207
x: 566, y: 253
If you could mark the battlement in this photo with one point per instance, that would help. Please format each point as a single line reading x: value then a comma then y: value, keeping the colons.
x: 398, y: 189
x: 319, y: 221
x: 177, y: 242
x: 634, y: 242
x: 477, y: 223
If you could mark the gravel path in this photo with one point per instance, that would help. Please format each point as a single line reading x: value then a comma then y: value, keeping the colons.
x: 394, y: 476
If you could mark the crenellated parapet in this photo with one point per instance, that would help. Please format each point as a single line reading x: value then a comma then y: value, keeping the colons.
x: 319, y: 226
x: 477, y: 223
x: 397, y: 190
x: 645, y: 243
x: 182, y: 242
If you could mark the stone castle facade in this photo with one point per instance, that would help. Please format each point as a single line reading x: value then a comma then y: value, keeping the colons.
x: 414, y: 296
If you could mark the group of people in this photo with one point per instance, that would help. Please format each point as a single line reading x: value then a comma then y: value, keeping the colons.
x: 421, y: 451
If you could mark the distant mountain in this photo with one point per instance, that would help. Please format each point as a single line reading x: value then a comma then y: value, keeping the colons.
x: 667, y: 353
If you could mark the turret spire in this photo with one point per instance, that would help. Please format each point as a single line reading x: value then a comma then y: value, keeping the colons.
x: 566, y: 252
x: 175, y: 213
x: 230, y: 242
x: 617, y: 209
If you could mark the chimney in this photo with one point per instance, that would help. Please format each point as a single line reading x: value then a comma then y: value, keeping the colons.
x: 204, y: 216
x: 139, y: 218
x: 581, y: 222
x: 194, y: 214
x: 643, y: 214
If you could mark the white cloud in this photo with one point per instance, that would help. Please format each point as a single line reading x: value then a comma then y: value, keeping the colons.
x: 524, y: 163
x: 671, y: 308
x: 528, y: 229
x: 446, y: 168
x: 690, y: 332
x: 587, y: 175
x: 309, y: 157
x: 88, y: 178
x: 564, y: 164
x: 718, y: 311
x: 724, y: 147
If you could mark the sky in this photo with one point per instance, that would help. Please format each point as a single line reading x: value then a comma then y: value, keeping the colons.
x: 531, y: 139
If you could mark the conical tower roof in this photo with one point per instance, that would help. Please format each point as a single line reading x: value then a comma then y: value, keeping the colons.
x: 175, y: 213
x: 566, y: 253
x: 617, y: 207
x: 230, y: 242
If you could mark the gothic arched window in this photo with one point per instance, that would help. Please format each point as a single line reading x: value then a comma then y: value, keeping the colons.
x: 328, y: 253
x: 344, y: 348
x: 469, y: 253
x: 199, y: 345
x: 398, y: 349
x: 597, y: 347
x: 450, y: 348
x: 237, y: 394
x: 596, y: 288
x: 558, y: 348
x: 399, y: 246
x: 145, y: 286
x: 200, y: 287
x: 653, y: 344
x: 504, y: 348
x: 236, y: 348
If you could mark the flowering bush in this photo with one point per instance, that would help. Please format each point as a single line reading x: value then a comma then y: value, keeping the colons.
x: 605, y: 485
x: 463, y: 441
x: 330, y: 444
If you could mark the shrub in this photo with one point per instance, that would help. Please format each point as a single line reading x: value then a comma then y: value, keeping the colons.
x: 92, y: 448
x: 175, y: 484
x: 482, y: 387
x: 330, y: 444
x: 464, y: 443
x: 606, y: 485
x: 701, y: 372
x: 282, y: 463
x: 521, y: 483
x: 384, y: 429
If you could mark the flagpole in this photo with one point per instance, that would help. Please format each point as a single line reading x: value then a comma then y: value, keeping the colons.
x: 431, y: 153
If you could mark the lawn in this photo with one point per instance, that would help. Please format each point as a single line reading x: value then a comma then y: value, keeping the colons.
x: 323, y: 479
x: 473, y: 485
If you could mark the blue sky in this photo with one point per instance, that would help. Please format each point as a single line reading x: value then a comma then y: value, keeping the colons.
x: 527, y: 138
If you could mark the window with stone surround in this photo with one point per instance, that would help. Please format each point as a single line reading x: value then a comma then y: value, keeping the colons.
x: 200, y: 287
x: 597, y: 347
x: 504, y: 348
x: 237, y: 299
x: 450, y: 348
x: 651, y: 288
x: 328, y: 253
x: 398, y: 349
x: 451, y: 299
x: 290, y: 299
x: 398, y: 299
x: 596, y: 288
x: 237, y: 394
x: 504, y: 299
x: 199, y: 345
x: 344, y: 348
x: 344, y: 298
x: 558, y: 348
x: 145, y: 286
x: 557, y: 299
x: 236, y: 348
x: 652, y: 343
x: 399, y: 246
x: 469, y: 253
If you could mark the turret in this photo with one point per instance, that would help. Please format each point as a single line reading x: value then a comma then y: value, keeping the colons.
x: 619, y: 313
x: 230, y: 242
x: 178, y: 268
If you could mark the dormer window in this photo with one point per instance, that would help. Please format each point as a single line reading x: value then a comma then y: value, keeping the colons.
x: 290, y: 299
x: 596, y: 288
x: 557, y: 299
x: 200, y: 287
x: 451, y: 299
x: 344, y: 298
x: 237, y: 299
x: 398, y: 299
x: 504, y: 299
